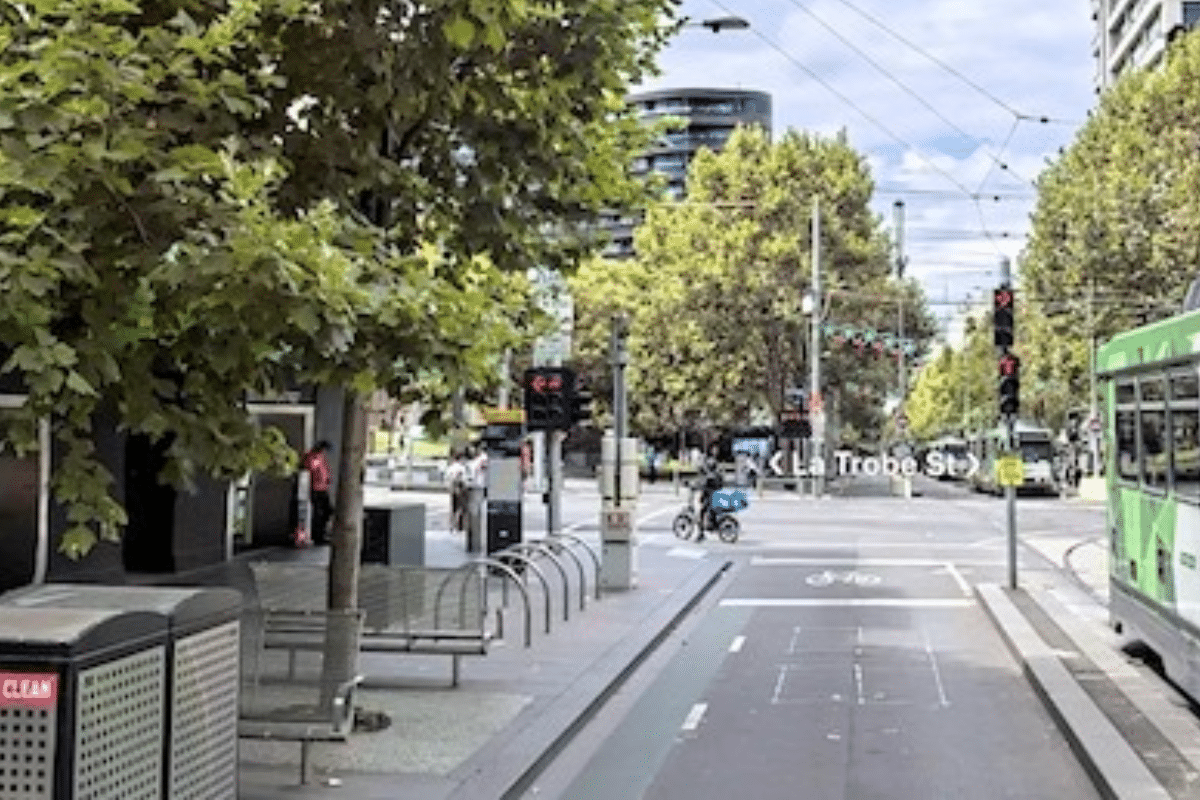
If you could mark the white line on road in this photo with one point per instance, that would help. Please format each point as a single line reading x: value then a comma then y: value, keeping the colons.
x: 692, y: 721
x: 963, y: 586
x: 857, y: 602
x: 736, y: 645
x: 858, y: 683
x: 785, y: 561
x: 779, y: 684
x: 937, y: 672
x: 858, y: 545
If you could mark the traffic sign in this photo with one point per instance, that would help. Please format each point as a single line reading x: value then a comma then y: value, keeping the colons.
x: 1010, y: 471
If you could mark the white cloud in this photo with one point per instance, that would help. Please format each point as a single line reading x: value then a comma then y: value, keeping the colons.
x: 1026, y: 59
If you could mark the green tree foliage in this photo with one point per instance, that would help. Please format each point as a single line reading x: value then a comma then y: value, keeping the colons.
x: 1116, y: 233
x: 202, y: 200
x: 717, y: 330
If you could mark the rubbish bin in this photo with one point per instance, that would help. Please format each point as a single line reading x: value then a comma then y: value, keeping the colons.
x: 82, y: 703
x: 394, y: 533
x: 200, y: 684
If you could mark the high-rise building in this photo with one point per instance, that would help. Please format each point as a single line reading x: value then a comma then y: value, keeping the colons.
x: 1131, y: 34
x: 710, y: 116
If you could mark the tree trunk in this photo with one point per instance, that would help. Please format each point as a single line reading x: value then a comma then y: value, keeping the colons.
x: 341, y: 640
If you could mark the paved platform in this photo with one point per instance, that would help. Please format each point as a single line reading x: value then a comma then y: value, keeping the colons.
x: 513, y: 709
x: 1132, y: 731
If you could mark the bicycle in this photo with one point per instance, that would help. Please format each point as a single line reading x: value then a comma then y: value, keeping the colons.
x: 689, y: 521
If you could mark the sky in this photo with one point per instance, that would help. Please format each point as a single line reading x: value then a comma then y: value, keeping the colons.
x: 945, y: 98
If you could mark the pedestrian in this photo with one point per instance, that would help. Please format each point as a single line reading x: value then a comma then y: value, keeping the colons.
x: 316, y: 464
x: 652, y: 458
x: 456, y: 480
x: 477, y: 469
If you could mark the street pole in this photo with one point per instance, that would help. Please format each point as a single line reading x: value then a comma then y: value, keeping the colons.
x: 618, y: 538
x: 554, y: 472
x: 1010, y: 491
x: 816, y: 407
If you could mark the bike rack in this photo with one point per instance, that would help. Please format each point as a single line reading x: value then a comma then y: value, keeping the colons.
x: 541, y: 576
x: 558, y: 546
x: 590, y: 551
x: 538, y: 547
x: 468, y: 570
x: 486, y: 562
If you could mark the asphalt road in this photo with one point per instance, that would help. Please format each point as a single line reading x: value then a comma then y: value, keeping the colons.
x: 845, y: 657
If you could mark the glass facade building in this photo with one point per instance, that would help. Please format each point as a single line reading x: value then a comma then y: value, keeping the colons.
x: 708, y: 117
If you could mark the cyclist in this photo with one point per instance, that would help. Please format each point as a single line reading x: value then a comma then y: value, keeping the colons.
x: 712, y: 482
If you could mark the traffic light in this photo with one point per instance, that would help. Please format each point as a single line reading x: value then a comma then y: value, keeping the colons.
x: 581, y: 401
x: 547, y: 398
x: 795, y: 424
x: 1010, y: 384
x: 1004, y: 304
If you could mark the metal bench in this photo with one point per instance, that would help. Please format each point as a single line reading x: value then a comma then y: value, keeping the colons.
x: 412, y: 610
x: 289, y: 706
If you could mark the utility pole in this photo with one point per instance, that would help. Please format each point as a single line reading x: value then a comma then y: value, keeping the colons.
x: 815, y: 406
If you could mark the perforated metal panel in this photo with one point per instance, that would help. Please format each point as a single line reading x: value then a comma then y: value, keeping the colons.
x: 119, y: 728
x: 27, y: 738
x: 204, y: 708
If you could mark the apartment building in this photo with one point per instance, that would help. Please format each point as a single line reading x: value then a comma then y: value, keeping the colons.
x: 709, y: 117
x: 1132, y: 34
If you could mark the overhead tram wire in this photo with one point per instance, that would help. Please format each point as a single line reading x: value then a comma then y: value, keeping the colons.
x: 861, y: 112
x: 1044, y: 120
x: 995, y: 159
x: 756, y: 30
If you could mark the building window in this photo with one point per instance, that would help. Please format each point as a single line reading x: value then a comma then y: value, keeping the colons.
x: 1191, y: 14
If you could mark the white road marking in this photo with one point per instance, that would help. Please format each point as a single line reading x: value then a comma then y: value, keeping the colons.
x: 860, y: 602
x: 858, y: 683
x: 963, y: 586
x: 783, y: 561
x: 937, y: 672
x: 692, y: 721
x: 736, y: 645
x: 996, y: 542
x: 795, y: 640
x: 687, y: 552
x: 779, y: 684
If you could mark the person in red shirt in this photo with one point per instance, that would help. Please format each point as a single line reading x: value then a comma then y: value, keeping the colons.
x: 317, y: 465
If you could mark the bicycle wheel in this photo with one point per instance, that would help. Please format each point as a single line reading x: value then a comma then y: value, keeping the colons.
x: 728, y: 529
x: 684, y: 525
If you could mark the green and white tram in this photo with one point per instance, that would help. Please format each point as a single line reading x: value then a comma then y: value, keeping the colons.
x: 1151, y: 385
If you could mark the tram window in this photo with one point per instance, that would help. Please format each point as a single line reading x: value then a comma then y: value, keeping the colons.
x: 1126, y: 417
x: 1185, y: 432
x: 1152, y: 419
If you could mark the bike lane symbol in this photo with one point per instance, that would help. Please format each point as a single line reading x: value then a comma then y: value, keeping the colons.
x: 846, y: 577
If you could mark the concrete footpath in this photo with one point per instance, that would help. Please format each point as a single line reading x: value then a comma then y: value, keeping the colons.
x: 1134, y: 733
x: 515, y: 709
x: 487, y: 738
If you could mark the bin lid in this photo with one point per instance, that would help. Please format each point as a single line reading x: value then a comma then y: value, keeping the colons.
x: 183, y: 606
x: 70, y: 632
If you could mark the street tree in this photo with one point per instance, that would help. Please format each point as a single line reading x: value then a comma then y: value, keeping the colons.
x: 1116, y: 231
x: 715, y: 292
